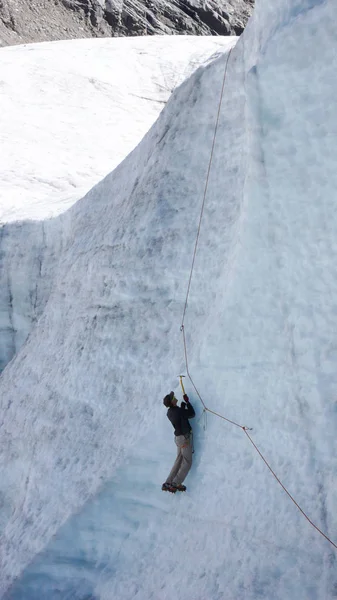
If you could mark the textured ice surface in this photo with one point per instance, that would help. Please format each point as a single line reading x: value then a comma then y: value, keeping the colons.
x: 86, y: 443
x: 71, y: 113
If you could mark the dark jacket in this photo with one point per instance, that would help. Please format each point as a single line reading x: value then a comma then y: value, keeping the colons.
x: 179, y: 418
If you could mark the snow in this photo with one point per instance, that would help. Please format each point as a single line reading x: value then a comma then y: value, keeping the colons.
x: 85, y: 440
x: 73, y: 110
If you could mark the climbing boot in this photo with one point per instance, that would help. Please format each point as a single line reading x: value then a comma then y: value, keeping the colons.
x: 179, y: 487
x: 169, y: 487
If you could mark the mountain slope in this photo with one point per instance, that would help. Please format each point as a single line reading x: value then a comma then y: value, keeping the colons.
x: 22, y: 21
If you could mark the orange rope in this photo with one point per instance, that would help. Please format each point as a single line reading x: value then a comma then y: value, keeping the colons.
x: 288, y: 493
x: 182, y: 328
x: 206, y: 185
x: 192, y: 382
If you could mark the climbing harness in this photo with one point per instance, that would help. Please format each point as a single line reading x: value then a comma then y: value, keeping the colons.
x: 182, y: 328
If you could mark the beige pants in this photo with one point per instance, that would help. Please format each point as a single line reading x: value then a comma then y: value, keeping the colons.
x: 183, y: 461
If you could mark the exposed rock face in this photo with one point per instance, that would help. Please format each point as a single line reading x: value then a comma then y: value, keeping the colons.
x: 23, y: 21
x: 148, y: 17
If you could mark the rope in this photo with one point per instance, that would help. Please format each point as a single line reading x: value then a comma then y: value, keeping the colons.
x: 201, y: 400
x: 206, y: 184
x: 288, y: 493
x: 182, y: 328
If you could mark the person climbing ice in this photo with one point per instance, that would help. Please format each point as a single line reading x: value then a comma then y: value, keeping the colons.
x: 179, y: 417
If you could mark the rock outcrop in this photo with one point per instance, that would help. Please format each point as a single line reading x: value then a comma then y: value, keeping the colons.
x: 23, y: 21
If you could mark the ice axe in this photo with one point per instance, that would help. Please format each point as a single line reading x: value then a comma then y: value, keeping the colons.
x: 181, y: 383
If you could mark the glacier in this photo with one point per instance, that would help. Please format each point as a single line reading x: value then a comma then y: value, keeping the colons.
x: 85, y: 443
x: 80, y: 107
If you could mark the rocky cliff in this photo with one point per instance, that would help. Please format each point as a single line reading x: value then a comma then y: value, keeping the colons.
x: 24, y: 21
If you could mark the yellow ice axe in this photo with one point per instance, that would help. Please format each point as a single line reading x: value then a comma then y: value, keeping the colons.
x: 181, y: 383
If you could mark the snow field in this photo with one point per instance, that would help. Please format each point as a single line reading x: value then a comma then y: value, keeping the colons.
x: 73, y: 110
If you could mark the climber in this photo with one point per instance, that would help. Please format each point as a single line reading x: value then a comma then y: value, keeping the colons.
x: 183, y: 438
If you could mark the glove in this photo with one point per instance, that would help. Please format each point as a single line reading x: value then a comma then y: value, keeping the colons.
x: 186, y: 398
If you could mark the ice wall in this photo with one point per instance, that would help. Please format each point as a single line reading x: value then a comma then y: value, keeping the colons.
x: 54, y: 149
x: 80, y: 402
x: 29, y: 256
x: 107, y: 341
